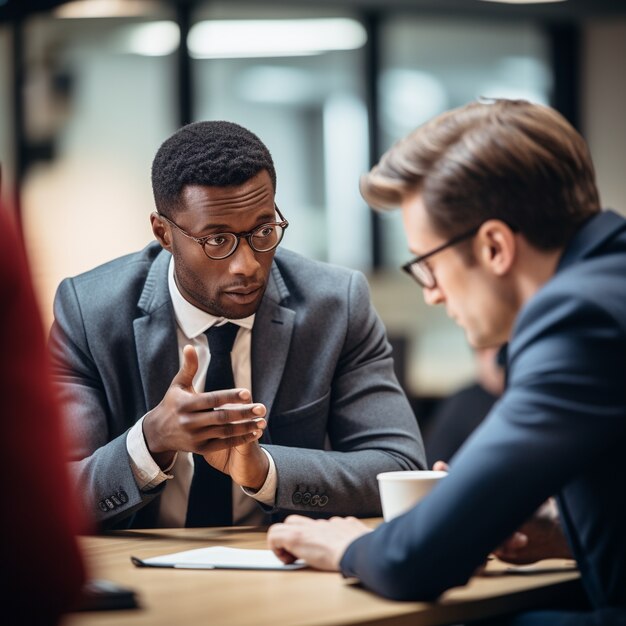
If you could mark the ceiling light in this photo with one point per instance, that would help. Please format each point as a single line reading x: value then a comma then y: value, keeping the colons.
x: 272, y: 38
x: 153, y: 39
x: 80, y: 9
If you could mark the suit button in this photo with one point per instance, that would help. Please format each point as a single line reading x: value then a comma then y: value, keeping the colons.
x: 306, y: 498
x: 323, y: 500
x: 315, y: 500
x: 109, y: 503
x: 123, y: 496
x: 296, y: 498
x: 103, y: 506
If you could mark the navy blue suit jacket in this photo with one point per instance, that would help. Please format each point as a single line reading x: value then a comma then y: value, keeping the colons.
x: 560, y: 428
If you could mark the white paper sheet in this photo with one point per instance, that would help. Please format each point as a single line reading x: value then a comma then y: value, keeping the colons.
x: 219, y: 557
x: 542, y: 568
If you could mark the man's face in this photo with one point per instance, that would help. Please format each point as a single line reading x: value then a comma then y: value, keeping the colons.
x: 230, y: 287
x: 476, y: 300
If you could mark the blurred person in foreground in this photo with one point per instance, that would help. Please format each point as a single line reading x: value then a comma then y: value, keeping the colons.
x: 303, y: 412
x: 41, y: 563
x: 500, y: 205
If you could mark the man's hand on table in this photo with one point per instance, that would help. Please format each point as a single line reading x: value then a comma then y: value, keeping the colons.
x: 541, y: 537
x: 189, y: 421
x: 321, y: 543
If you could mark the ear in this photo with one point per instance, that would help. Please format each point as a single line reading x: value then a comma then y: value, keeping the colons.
x: 497, y: 246
x: 161, y: 230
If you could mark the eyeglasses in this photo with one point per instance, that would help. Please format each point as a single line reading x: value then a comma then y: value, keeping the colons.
x: 263, y: 238
x: 420, y: 271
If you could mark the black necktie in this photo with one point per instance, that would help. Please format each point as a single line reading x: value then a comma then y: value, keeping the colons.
x: 210, y: 494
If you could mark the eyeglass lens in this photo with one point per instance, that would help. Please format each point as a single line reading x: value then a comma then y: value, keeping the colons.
x: 262, y: 239
x: 423, y: 274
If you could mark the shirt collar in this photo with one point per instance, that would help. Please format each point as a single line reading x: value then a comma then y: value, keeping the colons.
x: 192, y: 320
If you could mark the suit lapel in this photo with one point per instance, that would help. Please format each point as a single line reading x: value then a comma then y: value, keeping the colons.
x: 271, y: 339
x: 157, y: 345
x: 155, y: 334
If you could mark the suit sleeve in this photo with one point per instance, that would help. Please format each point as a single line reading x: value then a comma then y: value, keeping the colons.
x: 370, y: 425
x: 100, y: 468
x: 561, y: 413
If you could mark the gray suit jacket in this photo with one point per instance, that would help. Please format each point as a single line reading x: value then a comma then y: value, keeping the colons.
x: 321, y: 364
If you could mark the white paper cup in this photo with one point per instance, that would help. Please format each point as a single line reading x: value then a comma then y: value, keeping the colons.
x: 400, y: 491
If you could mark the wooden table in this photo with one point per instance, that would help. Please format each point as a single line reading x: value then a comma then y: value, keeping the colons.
x: 170, y: 597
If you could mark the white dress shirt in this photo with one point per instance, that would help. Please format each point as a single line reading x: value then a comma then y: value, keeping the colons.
x: 191, y: 325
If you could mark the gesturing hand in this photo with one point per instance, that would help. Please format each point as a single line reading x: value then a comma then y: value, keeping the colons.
x: 194, y: 422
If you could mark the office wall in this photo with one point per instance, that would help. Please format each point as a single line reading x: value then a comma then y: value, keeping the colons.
x: 100, y: 172
x: 91, y: 202
x: 604, y: 106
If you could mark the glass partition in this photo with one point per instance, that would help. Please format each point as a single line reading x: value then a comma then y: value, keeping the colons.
x: 296, y: 80
x: 433, y: 64
x: 428, y: 65
x: 99, y: 101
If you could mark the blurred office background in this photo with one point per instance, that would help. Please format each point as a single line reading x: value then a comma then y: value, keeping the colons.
x: 90, y: 88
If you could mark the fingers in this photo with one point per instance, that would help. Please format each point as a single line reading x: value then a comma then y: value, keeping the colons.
x: 188, y: 369
x: 232, y: 429
x: 440, y: 466
x: 284, y: 556
x: 213, y: 399
x: 206, y: 422
x: 215, y: 445
x: 516, y: 541
x: 512, y: 549
x: 275, y: 539
x: 281, y: 536
x: 215, y: 437
x: 208, y: 400
x: 298, y: 520
x: 226, y: 417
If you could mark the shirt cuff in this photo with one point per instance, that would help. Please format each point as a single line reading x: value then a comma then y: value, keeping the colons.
x: 267, y: 493
x: 146, y: 471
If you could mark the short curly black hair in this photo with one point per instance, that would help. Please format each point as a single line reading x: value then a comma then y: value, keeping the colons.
x: 211, y: 153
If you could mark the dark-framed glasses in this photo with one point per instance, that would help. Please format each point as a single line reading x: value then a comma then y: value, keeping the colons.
x: 217, y: 246
x: 419, y: 269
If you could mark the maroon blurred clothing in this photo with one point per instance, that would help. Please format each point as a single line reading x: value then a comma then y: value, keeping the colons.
x: 40, y: 559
